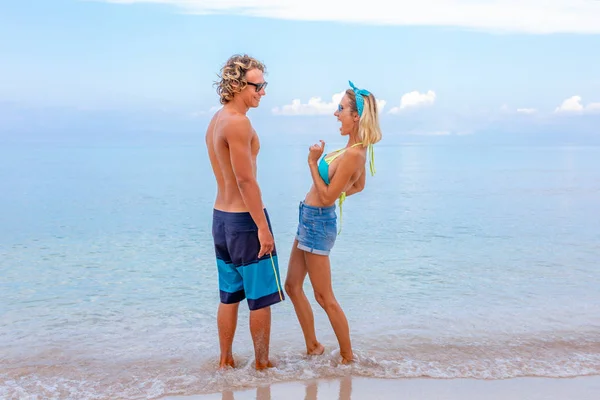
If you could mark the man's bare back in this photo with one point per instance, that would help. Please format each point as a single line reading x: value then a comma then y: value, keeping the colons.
x: 227, y: 125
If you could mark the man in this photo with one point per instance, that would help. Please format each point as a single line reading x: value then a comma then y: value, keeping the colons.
x: 244, y: 244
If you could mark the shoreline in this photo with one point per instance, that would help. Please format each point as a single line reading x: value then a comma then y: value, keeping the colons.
x: 357, y: 387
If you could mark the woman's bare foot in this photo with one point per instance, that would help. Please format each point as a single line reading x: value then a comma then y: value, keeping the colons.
x: 261, y: 366
x: 346, y: 361
x: 347, y: 357
x: 227, y: 363
x: 316, y: 350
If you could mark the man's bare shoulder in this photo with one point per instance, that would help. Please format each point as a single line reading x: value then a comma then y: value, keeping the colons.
x: 236, y: 125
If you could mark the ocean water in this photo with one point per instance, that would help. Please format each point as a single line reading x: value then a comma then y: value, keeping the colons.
x: 455, y: 262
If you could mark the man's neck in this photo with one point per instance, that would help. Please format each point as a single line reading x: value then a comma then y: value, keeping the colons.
x: 237, y: 105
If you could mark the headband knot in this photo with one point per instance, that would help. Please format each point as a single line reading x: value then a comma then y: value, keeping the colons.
x: 359, y: 93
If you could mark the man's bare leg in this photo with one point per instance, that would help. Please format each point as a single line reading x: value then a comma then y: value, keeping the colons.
x: 227, y: 316
x: 293, y: 287
x: 260, y: 330
x: 319, y: 272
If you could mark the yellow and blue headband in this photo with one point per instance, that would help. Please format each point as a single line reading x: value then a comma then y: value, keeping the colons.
x: 359, y: 93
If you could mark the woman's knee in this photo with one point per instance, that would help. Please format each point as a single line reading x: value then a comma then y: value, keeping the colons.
x: 292, y: 288
x: 326, y: 300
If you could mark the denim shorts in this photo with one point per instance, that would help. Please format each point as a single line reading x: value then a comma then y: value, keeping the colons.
x: 317, y: 229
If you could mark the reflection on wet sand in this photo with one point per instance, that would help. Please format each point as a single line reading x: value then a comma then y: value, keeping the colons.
x: 357, y: 387
x: 311, y: 391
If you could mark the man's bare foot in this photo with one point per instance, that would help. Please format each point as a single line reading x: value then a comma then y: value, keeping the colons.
x: 316, y: 350
x: 227, y: 363
x: 261, y: 366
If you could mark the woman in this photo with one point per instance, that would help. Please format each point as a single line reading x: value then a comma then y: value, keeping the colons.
x: 337, y: 175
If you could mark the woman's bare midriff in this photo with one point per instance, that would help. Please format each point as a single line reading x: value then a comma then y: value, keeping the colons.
x: 312, y: 199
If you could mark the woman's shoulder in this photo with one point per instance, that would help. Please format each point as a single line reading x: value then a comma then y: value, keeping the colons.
x: 356, y: 153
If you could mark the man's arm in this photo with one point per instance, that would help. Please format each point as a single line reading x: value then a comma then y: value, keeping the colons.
x: 239, y: 138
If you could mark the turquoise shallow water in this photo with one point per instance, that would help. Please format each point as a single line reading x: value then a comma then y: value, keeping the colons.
x: 473, y: 261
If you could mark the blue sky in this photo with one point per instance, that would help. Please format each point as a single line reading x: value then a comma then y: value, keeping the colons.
x: 449, y: 68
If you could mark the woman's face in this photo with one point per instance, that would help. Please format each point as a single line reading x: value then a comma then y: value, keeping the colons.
x: 347, y: 117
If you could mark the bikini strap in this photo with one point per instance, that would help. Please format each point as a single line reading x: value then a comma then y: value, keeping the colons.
x: 341, y: 202
x: 336, y: 153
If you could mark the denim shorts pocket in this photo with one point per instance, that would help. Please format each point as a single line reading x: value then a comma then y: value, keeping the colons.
x: 310, y: 227
x: 330, y: 228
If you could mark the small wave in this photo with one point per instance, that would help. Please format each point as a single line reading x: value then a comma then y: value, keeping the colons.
x: 153, y: 378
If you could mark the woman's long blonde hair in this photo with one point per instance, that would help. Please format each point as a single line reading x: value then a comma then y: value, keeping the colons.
x: 369, y: 131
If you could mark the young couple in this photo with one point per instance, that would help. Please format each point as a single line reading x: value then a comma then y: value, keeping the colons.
x: 244, y: 245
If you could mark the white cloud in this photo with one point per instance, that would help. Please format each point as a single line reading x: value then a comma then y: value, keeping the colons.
x: 528, y: 16
x: 414, y: 99
x: 212, y: 110
x: 570, y: 105
x: 593, y: 107
x: 526, y: 110
x: 380, y: 105
x: 574, y: 105
x: 316, y: 106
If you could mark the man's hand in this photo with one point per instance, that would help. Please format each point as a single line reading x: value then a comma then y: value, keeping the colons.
x: 267, y: 243
x: 315, y: 151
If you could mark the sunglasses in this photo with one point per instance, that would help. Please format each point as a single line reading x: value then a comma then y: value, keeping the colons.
x: 258, y: 86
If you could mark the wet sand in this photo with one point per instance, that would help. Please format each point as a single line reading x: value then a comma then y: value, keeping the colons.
x: 358, y: 388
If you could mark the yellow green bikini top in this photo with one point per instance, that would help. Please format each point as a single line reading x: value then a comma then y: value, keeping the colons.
x: 328, y: 159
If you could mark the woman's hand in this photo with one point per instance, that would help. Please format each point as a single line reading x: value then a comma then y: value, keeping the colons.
x: 315, y: 151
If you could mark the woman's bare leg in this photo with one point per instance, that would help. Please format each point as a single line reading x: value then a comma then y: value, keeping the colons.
x: 293, y: 287
x: 319, y: 272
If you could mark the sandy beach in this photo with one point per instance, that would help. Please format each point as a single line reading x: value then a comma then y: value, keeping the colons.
x: 581, y: 388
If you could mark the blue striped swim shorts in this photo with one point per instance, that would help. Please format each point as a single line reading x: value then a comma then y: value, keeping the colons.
x: 242, y: 275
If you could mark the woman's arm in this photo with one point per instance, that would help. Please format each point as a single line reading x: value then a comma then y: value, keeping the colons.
x: 341, y: 179
x: 358, y: 185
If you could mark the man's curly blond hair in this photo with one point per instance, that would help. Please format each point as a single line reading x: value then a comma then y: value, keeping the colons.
x: 233, y: 76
